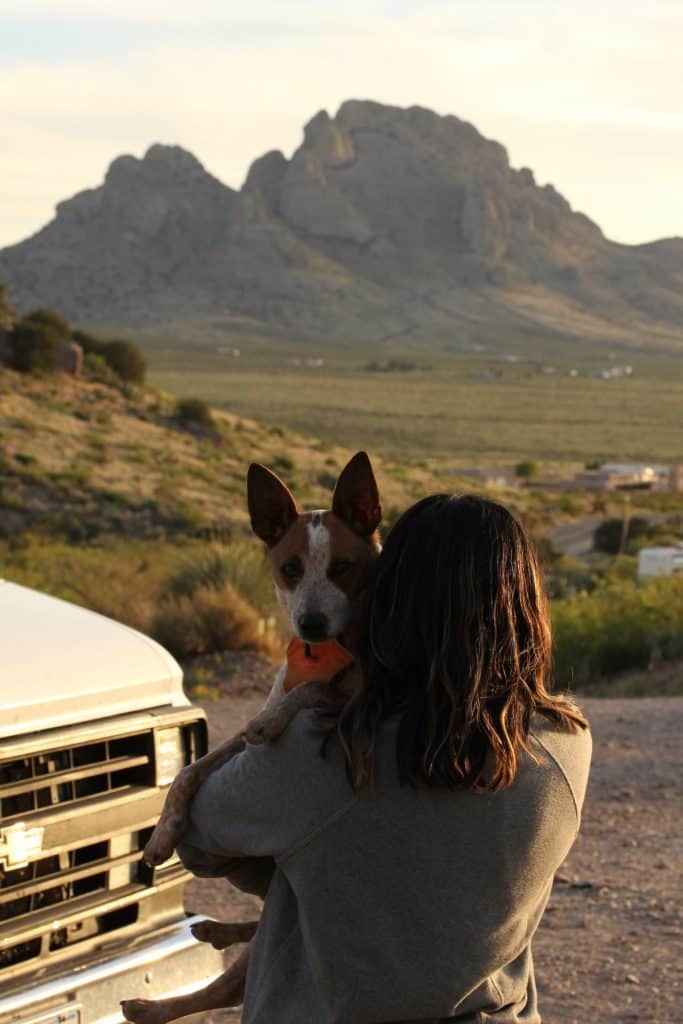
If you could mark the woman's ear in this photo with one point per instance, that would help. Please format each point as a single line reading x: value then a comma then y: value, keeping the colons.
x: 356, y: 497
x: 272, y: 508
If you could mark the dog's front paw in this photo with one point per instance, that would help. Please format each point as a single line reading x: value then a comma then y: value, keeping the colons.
x: 218, y: 933
x: 163, y: 840
x: 143, y: 1011
x: 267, y: 725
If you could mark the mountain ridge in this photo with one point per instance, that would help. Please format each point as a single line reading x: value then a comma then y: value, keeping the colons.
x: 384, y: 221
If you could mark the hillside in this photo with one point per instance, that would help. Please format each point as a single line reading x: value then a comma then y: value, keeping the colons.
x: 385, y: 222
x: 110, y: 498
x: 83, y: 461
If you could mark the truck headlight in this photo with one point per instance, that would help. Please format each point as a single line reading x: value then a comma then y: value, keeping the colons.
x: 169, y: 749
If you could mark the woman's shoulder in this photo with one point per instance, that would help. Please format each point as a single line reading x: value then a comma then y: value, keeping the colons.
x: 307, y: 755
x: 567, y: 750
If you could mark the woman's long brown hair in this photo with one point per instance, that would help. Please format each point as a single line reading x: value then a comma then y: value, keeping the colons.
x: 457, y: 645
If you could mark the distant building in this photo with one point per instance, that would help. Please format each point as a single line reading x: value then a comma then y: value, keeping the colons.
x: 660, y: 561
x: 617, y: 476
x: 612, y: 372
x: 308, y: 362
x: 490, y: 477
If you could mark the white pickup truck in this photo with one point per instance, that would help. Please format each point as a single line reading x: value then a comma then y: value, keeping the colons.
x: 94, y: 725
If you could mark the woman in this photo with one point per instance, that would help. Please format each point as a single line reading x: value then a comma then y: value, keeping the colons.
x: 410, y: 860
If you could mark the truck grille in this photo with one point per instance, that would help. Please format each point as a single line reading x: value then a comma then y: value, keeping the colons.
x: 95, y: 804
x: 49, y: 904
x: 73, y: 773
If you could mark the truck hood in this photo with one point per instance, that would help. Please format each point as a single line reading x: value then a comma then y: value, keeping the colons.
x: 61, y: 664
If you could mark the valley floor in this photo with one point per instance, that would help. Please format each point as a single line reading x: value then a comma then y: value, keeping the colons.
x: 607, y: 948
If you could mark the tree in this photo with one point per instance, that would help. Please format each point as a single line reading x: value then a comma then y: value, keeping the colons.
x: 125, y: 359
x: 6, y: 312
x: 51, y: 319
x: 35, y: 347
x: 194, y: 412
x: 613, y: 535
x: 87, y: 342
x: 526, y: 470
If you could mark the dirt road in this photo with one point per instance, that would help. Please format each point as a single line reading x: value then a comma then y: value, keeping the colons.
x: 609, y: 949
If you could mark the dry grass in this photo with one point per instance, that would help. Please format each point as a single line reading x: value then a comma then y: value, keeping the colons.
x: 209, y: 621
x: 463, y: 406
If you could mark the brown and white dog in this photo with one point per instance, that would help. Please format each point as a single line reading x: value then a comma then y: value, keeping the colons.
x: 320, y: 562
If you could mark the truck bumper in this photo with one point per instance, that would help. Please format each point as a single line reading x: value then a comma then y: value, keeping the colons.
x: 175, y: 964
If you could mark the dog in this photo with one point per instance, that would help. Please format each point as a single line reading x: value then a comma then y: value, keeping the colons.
x: 320, y: 562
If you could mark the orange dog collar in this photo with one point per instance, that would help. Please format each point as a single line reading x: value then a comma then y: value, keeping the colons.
x: 314, y: 663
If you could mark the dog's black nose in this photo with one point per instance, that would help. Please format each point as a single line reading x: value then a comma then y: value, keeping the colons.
x: 313, y: 626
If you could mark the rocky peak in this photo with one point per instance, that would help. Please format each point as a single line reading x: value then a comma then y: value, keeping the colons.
x: 161, y: 165
x: 327, y: 140
x: 380, y: 208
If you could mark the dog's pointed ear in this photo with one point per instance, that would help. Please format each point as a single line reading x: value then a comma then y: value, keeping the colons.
x: 356, y: 498
x: 272, y: 508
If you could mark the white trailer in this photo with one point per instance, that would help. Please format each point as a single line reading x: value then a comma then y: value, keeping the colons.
x: 660, y: 561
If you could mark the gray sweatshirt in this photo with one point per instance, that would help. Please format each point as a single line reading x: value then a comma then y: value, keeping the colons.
x: 391, y: 905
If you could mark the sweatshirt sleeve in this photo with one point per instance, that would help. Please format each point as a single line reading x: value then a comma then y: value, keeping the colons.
x: 265, y: 801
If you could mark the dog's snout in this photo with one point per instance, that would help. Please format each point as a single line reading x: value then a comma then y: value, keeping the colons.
x: 313, y: 625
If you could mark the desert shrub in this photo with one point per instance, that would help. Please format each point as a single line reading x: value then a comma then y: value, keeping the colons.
x: 6, y: 311
x: 240, y: 564
x: 194, y: 412
x: 210, y: 620
x: 51, y: 319
x: 326, y: 479
x: 394, y: 366
x: 89, y: 344
x: 527, y: 469
x: 546, y: 551
x: 571, y: 503
x: 282, y: 464
x: 609, y: 535
x: 125, y: 359
x: 96, y: 368
x: 35, y: 347
x: 621, y: 625
x: 567, y: 576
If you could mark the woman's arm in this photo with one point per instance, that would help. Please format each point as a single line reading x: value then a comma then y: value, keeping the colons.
x: 266, y: 800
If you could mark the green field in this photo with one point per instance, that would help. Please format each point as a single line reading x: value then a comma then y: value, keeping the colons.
x: 461, y: 405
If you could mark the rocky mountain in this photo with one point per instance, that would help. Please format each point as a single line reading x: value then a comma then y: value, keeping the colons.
x: 385, y: 221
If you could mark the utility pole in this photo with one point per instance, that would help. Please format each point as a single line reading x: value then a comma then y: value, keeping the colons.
x: 626, y: 522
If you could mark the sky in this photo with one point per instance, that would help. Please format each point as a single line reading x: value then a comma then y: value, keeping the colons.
x: 588, y: 93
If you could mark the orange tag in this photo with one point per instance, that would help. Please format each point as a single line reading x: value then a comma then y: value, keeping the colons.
x: 314, y: 663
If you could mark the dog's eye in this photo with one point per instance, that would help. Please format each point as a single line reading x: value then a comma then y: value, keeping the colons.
x: 292, y: 570
x: 339, y: 567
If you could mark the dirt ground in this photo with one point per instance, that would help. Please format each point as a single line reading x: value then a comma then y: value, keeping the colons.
x: 609, y: 948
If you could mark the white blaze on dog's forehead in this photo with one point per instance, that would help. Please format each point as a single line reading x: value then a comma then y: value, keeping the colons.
x: 318, y: 540
x: 315, y: 592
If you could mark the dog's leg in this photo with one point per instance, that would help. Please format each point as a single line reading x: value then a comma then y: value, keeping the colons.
x: 272, y: 720
x: 171, y: 824
x: 228, y: 990
x: 222, y: 935
x: 268, y: 724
